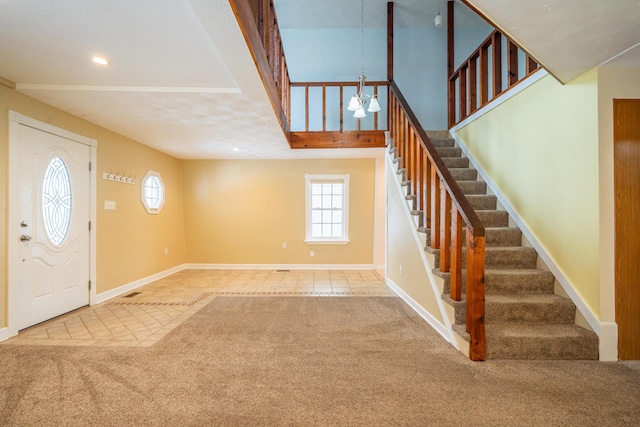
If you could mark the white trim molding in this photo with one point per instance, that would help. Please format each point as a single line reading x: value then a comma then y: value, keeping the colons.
x: 608, y: 341
x: 113, y: 293
x: 4, y: 334
x: 537, y: 76
x: 280, y: 267
x: 428, y: 317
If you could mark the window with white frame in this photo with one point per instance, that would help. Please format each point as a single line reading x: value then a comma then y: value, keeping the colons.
x: 152, y: 192
x: 327, y: 209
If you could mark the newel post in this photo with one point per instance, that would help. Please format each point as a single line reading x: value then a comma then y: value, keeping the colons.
x: 475, y: 296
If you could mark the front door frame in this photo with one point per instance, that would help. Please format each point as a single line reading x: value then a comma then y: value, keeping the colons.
x: 15, y: 121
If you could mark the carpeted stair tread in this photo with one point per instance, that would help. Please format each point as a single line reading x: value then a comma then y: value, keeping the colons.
x: 529, y: 308
x: 443, y: 142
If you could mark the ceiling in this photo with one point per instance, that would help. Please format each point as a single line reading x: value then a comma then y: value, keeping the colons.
x: 182, y: 80
x: 571, y: 37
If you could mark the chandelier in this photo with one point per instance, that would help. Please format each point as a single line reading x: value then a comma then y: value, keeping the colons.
x: 359, y: 99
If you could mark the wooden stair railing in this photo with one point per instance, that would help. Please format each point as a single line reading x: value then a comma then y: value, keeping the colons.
x: 479, y: 80
x: 259, y: 24
x: 446, y: 212
x: 323, y: 133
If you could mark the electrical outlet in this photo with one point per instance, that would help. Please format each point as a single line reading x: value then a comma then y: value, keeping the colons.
x: 284, y: 245
x: 311, y: 253
x: 166, y: 251
x: 109, y: 205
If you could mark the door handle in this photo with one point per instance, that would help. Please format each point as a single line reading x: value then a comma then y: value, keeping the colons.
x: 24, y: 238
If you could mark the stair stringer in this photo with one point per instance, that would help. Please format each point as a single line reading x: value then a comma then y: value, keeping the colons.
x: 602, y: 329
x: 434, y: 287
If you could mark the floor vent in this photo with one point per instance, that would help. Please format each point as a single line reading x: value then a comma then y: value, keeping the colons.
x: 282, y: 271
x: 132, y: 294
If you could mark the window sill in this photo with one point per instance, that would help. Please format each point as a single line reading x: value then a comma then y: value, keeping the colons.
x: 327, y: 242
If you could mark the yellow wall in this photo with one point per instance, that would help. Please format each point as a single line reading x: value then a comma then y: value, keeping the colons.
x: 541, y: 150
x: 241, y: 211
x: 613, y: 83
x: 122, y: 235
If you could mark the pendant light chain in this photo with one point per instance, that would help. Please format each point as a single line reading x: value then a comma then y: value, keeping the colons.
x: 362, y: 38
x: 359, y: 99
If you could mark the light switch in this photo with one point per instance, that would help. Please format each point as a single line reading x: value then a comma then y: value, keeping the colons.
x: 109, y: 205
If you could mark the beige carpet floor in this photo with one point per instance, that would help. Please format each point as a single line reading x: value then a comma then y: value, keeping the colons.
x: 304, y: 361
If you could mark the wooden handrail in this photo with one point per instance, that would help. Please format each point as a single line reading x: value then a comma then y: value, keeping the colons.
x: 445, y: 211
x: 474, y: 94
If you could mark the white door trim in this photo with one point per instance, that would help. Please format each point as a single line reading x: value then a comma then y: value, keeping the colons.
x: 16, y: 120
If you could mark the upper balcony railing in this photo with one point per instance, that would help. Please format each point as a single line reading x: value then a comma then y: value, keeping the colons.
x: 319, y: 118
x: 492, y: 69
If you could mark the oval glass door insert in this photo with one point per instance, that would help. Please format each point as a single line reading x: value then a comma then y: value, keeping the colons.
x: 56, y: 201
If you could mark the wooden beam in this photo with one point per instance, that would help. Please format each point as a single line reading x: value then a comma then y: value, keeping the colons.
x: 337, y: 139
x: 390, y: 40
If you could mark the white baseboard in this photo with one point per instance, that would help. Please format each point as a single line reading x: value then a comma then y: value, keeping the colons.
x: 105, y: 296
x: 608, y: 341
x: 4, y: 334
x: 591, y: 319
x: 280, y: 266
x: 432, y: 321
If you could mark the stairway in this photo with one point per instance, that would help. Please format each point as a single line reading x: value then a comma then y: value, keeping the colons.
x: 524, y: 318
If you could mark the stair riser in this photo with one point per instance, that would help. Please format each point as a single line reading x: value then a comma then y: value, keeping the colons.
x: 456, y: 162
x: 449, y: 151
x: 508, y: 258
x: 561, y: 348
x: 464, y: 174
x: 503, y: 237
x: 498, y: 284
x: 493, y: 218
x: 473, y: 187
x: 482, y: 201
x: 564, y: 313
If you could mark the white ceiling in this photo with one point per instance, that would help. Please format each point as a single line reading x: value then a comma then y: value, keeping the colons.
x: 571, y: 37
x: 182, y: 80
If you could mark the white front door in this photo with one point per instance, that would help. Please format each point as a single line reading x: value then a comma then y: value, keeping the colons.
x: 51, y: 226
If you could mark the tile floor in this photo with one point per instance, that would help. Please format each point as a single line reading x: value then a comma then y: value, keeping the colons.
x: 143, y: 317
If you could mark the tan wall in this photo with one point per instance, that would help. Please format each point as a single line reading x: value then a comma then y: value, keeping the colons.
x: 241, y: 211
x: 613, y: 83
x: 541, y: 149
x: 403, y: 252
x: 122, y: 235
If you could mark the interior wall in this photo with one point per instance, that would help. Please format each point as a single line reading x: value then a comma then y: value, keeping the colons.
x: 541, y: 150
x: 613, y: 83
x: 242, y: 211
x: 420, y: 71
x: 405, y: 266
x: 124, y: 234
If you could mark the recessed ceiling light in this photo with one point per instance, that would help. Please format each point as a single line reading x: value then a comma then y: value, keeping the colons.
x: 236, y: 149
x: 100, y: 60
